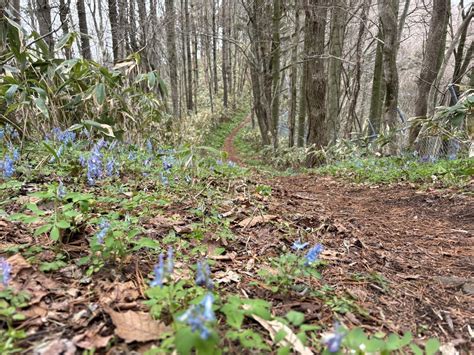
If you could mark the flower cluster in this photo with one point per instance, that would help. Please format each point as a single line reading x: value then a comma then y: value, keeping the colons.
x: 9, y: 131
x: 198, y: 315
x: 94, y: 165
x: 8, y: 163
x: 104, y: 227
x: 66, y: 137
x: 333, y: 340
x: 61, y: 191
x: 313, y: 254
x: 203, y: 275
x: 5, y: 271
x: 111, y: 167
x: 161, y: 270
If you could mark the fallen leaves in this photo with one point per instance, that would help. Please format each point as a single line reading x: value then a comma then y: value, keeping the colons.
x: 254, y: 220
x: 136, y: 326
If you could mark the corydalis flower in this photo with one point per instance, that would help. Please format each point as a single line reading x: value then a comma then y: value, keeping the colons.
x: 298, y: 245
x: 104, y: 228
x: 203, y: 275
x: 94, y: 164
x: 198, y: 315
x: 5, y: 271
x: 61, y: 191
x: 313, y: 254
x: 333, y: 340
x: 8, y: 167
x: 161, y: 271
x: 111, y: 167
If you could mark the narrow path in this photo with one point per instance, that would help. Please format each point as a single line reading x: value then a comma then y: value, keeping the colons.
x: 229, y: 141
x: 404, y: 256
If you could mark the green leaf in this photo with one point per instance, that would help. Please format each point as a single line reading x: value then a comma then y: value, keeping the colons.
x: 432, y: 346
x: 416, y: 349
x: 52, y: 151
x: 99, y: 93
x: 11, y: 92
x: 103, y: 128
x: 41, y: 105
x: 63, y: 224
x: 151, y: 80
x: 146, y: 243
x: 296, y: 318
x: 55, y: 234
x: 43, y: 229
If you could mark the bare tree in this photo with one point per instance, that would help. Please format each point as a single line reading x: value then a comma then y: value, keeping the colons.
x: 82, y: 15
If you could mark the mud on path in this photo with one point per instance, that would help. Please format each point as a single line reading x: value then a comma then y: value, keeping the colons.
x: 400, y: 259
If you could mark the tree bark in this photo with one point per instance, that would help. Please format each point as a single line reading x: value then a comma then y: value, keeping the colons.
x: 336, y: 44
x: 294, y: 79
x: 434, y: 50
x: 43, y: 13
x: 82, y: 15
x: 315, y: 93
x: 388, y: 10
x: 170, y: 21
x: 275, y: 68
x: 377, y: 97
x: 114, y: 29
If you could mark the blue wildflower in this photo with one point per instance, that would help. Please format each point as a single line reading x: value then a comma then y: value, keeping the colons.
x: 149, y: 146
x: 169, y: 261
x: 82, y: 161
x: 203, y: 275
x: 299, y: 246
x: 231, y: 164
x: 131, y: 156
x: 219, y: 162
x: 61, y: 191
x: 167, y: 165
x: 2, y: 134
x: 94, y: 164
x: 5, y: 271
x: 164, y: 180
x: 104, y: 227
x: 313, y: 254
x: 198, y: 315
x: 8, y: 166
x: 333, y: 340
x: 110, y: 167
x: 159, y: 271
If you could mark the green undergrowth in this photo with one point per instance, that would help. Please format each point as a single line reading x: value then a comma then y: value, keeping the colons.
x: 217, y: 137
x: 443, y: 173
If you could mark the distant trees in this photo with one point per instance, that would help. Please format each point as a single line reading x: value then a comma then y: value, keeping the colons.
x: 316, y: 71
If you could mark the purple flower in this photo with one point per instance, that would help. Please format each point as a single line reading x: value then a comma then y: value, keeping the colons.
x: 198, y: 315
x: 203, y: 275
x: 110, y: 167
x: 299, y: 246
x: 8, y: 166
x: 169, y: 261
x: 61, y: 191
x: 159, y: 271
x: 5, y: 271
x: 333, y: 340
x: 94, y: 164
x: 104, y: 227
x: 313, y: 254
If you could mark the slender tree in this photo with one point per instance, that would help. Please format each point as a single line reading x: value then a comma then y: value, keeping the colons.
x: 82, y: 15
x: 170, y: 19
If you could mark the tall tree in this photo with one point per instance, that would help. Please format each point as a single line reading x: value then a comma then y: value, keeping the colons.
x: 82, y: 15
x: 114, y: 29
x: 434, y: 51
x: 275, y: 68
x: 43, y: 13
x: 170, y: 19
x: 388, y: 12
x: 378, y: 87
x: 294, y: 77
x: 316, y: 80
x: 336, y: 44
x: 64, y: 11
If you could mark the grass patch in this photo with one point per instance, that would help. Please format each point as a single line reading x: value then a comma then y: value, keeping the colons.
x: 218, y: 135
x: 444, y: 173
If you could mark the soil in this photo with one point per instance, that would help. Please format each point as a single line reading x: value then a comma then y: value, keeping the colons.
x: 229, y: 142
x: 404, y: 256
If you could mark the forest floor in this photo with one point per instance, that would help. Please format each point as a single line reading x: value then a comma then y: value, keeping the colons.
x: 395, y: 258
x: 416, y: 245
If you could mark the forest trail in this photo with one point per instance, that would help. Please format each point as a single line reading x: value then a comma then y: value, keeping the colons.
x: 229, y: 147
x: 404, y: 256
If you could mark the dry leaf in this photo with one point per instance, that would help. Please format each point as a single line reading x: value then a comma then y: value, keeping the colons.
x: 226, y: 277
x: 91, y: 339
x: 57, y: 347
x: 136, y: 326
x: 252, y: 221
x: 274, y: 326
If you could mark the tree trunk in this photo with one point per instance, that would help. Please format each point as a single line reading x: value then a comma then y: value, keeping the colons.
x: 376, y: 99
x: 170, y: 21
x: 187, y: 43
x: 336, y: 44
x: 275, y: 67
x: 43, y: 13
x: 315, y: 25
x: 64, y: 10
x: 434, y: 50
x: 224, y: 53
x: 388, y: 10
x: 294, y: 79
x: 114, y: 29
x: 82, y: 15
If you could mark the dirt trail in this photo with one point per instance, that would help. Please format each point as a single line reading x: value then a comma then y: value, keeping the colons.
x: 406, y: 257
x: 229, y: 142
